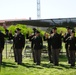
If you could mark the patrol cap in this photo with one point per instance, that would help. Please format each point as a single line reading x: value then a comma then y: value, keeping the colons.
x: 54, y: 28
x: 34, y: 29
x: 37, y: 31
x: 6, y: 30
x: 18, y: 29
x: 68, y: 27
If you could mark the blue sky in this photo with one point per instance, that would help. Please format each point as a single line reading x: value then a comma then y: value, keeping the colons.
x: 17, y: 9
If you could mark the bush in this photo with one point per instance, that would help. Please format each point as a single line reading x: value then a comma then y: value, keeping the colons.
x: 24, y: 28
x: 59, y: 29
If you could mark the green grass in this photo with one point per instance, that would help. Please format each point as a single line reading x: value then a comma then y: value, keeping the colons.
x: 9, y: 67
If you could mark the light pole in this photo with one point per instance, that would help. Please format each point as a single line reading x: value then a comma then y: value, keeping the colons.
x: 38, y: 9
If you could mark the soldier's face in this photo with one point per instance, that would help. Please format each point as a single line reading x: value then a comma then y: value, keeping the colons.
x: 72, y: 34
x: 54, y: 30
x: 37, y: 34
x: 18, y: 32
x: 69, y: 30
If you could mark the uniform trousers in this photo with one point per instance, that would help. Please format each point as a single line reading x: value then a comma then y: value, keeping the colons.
x: 72, y: 57
x: 38, y: 56
x: 55, y: 54
x: 19, y: 55
x: 67, y: 52
x: 1, y: 50
x: 15, y: 54
x: 33, y: 54
x: 50, y: 54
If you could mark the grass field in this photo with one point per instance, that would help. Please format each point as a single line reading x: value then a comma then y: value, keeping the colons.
x: 9, y: 67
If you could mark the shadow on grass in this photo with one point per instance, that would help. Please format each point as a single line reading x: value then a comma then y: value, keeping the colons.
x: 67, y: 66
x: 27, y: 65
x: 42, y: 66
x: 60, y: 67
x: 62, y: 58
x: 8, y: 64
x: 47, y: 65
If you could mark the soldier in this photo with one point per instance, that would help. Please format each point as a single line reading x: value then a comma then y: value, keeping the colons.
x: 72, y: 47
x: 56, y: 45
x: 10, y: 37
x: 2, y: 41
x: 19, y: 43
x: 38, y: 44
x: 66, y: 43
x: 48, y: 39
x: 14, y: 50
x: 32, y: 43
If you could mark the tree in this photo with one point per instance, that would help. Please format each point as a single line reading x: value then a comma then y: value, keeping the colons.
x: 24, y: 29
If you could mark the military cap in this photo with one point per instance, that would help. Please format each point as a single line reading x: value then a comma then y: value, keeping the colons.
x: 54, y: 28
x: 37, y: 31
x: 68, y: 27
x: 34, y: 29
x: 18, y: 29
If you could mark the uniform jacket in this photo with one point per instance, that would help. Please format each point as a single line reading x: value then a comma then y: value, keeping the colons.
x: 30, y: 39
x: 65, y: 38
x: 2, y: 40
x: 71, y: 42
x: 56, y: 41
x: 19, y: 41
x: 38, y: 43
